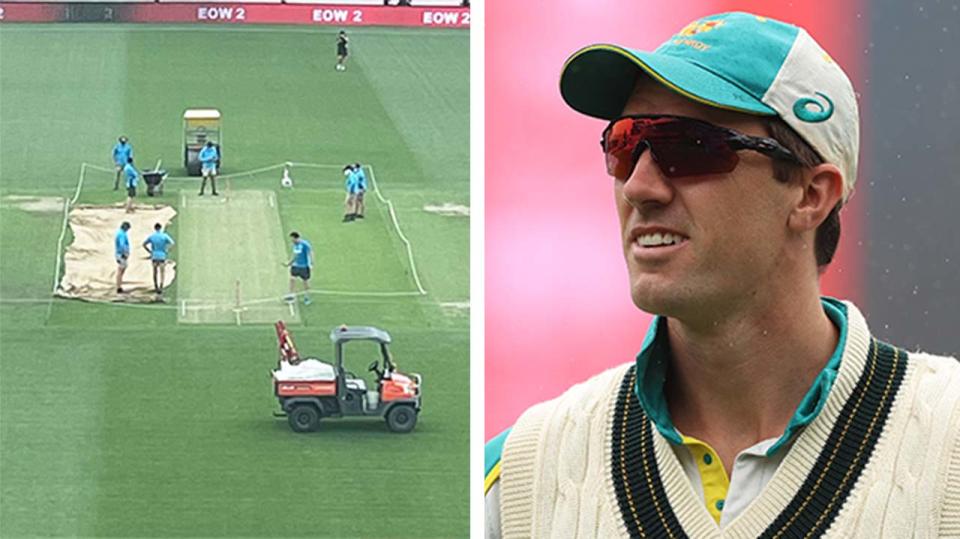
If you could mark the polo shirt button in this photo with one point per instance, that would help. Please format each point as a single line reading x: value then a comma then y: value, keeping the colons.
x: 719, y: 505
x: 707, y: 459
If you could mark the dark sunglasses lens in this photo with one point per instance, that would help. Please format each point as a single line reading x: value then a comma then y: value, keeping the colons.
x: 678, y: 158
x: 680, y: 147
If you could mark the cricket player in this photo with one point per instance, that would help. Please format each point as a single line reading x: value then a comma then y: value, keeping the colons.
x: 131, y: 178
x: 122, y: 153
x: 342, y: 44
x: 209, y: 157
x: 121, y: 247
x: 158, y: 246
x: 756, y: 407
x: 300, y: 264
x: 361, y: 180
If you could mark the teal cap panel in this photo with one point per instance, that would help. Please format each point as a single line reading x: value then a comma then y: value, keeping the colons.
x: 598, y: 80
x: 747, y: 50
x: 726, y: 61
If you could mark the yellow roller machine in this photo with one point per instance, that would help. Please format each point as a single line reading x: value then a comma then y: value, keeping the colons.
x: 200, y: 126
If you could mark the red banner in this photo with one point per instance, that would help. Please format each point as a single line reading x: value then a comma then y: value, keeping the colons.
x: 31, y: 12
x: 239, y: 14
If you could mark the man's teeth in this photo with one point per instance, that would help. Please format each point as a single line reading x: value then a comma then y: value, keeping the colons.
x: 654, y: 240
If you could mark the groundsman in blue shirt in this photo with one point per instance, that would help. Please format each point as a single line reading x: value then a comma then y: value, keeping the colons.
x: 121, y: 246
x: 131, y: 175
x: 300, y: 264
x: 361, y: 179
x: 158, y: 245
x: 122, y: 152
x: 352, y: 186
x: 209, y: 158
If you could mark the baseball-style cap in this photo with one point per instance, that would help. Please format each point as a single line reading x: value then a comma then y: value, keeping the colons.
x: 735, y: 61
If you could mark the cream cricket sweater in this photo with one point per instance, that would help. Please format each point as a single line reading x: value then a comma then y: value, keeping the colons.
x: 882, y: 459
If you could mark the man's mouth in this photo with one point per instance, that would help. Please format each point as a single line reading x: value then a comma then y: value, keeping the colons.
x: 658, y: 239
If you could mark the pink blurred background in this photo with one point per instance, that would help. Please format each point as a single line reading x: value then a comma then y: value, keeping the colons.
x: 558, y: 308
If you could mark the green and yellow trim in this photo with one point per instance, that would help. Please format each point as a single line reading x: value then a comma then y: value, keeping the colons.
x: 491, y: 478
x: 492, y: 454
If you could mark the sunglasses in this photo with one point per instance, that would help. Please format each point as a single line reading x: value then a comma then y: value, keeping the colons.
x: 680, y: 146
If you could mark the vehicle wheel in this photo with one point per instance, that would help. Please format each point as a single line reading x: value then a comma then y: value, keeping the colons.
x: 304, y: 418
x: 402, y: 418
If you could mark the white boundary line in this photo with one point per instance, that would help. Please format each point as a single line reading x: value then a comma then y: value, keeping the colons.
x: 181, y: 213
x: 226, y: 176
x: 250, y: 172
x: 98, y: 167
x: 393, y: 215
x: 63, y: 232
x: 63, y: 229
x: 364, y: 294
x: 314, y: 165
x: 183, y: 307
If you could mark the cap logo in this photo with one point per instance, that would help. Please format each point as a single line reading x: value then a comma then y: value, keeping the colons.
x: 698, y: 27
x: 818, y: 113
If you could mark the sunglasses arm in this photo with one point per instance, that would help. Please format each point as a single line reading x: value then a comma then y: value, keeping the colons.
x: 766, y: 146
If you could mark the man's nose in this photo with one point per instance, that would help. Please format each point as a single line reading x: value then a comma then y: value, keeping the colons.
x: 647, y: 184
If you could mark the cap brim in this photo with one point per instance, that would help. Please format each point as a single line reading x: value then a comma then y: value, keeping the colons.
x: 598, y: 80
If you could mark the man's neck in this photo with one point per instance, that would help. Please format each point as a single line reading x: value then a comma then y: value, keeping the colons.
x: 738, y: 380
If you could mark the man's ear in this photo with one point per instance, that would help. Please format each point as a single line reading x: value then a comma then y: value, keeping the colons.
x: 822, y: 189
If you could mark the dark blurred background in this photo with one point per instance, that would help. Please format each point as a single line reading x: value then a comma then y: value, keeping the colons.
x: 911, y: 177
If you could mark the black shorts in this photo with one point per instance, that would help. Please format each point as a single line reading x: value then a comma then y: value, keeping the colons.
x: 131, y: 191
x: 298, y: 271
x: 341, y: 51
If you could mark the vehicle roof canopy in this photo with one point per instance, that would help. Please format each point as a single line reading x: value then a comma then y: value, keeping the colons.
x: 355, y: 333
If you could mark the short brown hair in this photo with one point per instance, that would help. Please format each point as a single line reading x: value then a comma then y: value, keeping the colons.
x: 828, y: 233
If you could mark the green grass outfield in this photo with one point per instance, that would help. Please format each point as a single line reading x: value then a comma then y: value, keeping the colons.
x: 140, y: 421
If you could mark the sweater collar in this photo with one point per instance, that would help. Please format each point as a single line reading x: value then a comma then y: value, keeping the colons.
x: 655, y: 354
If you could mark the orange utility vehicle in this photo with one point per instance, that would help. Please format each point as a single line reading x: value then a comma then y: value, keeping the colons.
x: 310, y: 389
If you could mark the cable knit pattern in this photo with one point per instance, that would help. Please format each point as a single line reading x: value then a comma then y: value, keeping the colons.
x: 557, y: 478
x: 529, y: 475
x: 949, y: 475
